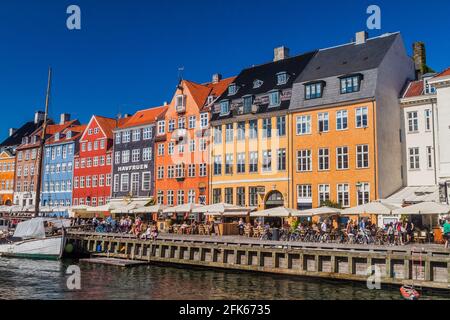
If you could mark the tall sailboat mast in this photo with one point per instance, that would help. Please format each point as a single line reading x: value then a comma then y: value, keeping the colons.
x: 42, y: 144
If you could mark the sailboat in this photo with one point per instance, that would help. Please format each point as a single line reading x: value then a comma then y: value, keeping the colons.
x: 37, y: 238
x: 32, y: 238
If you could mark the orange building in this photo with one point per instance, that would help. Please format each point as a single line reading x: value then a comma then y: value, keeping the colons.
x: 7, y: 169
x: 182, y: 143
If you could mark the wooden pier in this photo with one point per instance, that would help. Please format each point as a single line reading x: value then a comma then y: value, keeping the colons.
x: 424, y: 265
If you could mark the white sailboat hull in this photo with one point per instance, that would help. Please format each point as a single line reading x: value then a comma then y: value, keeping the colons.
x: 48, y: 248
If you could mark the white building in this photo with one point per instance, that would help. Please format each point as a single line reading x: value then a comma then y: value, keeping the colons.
x: 442, y: 84
x: 419, y: 134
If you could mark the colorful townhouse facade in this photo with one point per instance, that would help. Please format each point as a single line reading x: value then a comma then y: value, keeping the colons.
x: 57, y: 176
x: 347, y: 123
x: 182, y: 143
x: 92, y: 177
x: 250, y: 155
x: 133, y: 161
x: 7, y: 169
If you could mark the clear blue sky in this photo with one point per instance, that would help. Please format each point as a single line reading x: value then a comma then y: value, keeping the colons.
x: 127, y: 54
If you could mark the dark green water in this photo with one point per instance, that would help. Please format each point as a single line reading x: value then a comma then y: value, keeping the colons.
x: 31, y: 279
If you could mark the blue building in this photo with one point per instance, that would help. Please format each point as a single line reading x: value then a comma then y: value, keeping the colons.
x: 57, y: 175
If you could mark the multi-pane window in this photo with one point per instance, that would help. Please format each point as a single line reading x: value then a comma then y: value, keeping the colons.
x: 160, y: 197
x: 350, y: 84
x: 267, y: 160
x: 170, y: 197
x: 428, y: 119
x: 313, y: 90
x: 267, y: 128
x: 180, y: 170
x: 147, y: 133
x: 161, y: 127
x: 146, y: 181
x: 228, y: 163
x: 160, y: 149
x: 281, y: 126
x: 203, y: 144
x: 248, y: 101
x: 304, y: 192
x: 282, y: 78
x: 191, y: 170
x: 363, y: 193
x: 204, y: 119
x: 191, y: 196
x: 342, y: 158
x: 274, y: 99
x: 414, y: 159
x: 343, y: 195
x: 218, y: 134
x: 324, y: 159
x: 180, y: 197
x: 362, y: 117
x: 217, y: 195
x: 341, y: 120
x: 217, y: 165
x: 429, y: 157
x: 202, y: 168
x: 182, y: 123
x: 241, y: 131
x: 304, y: 162
x: 146, y: 154
x: 303, y: 125
x: 118, y: 138
x: 136, y: 155
x: 229, y: 195
x: 253, y: 163
x: 253, y: 129
x: 192, y: 121
x: 170, y: 172
x: 281, y: 159
x: 229, y: 130
x: 362, y: 156
x: 126, y: 137
x: 240, y: 196
x: 413, y: 121
x: 224, y: 107
x: 137, y: 135
x: 125, y: 182
x: 160, y: 172
x: 171, y: 148
x: 171, y: 125
x: 253, y: 196
x: 324, y: 193
x: 125, y: 156
x: 323, y: 121
x: 191, y: 145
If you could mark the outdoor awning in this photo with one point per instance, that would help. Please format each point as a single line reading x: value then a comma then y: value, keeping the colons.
x: 279, y: 212
x: 374, y: 207
x: 152, y: 209
x: 424, y: 208
x: 322, y: 211
x: 225, y: 209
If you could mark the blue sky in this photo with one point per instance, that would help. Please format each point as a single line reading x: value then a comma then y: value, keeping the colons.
x: 127, y: 54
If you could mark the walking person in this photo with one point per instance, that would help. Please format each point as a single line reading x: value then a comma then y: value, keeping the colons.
x: 446, y: 228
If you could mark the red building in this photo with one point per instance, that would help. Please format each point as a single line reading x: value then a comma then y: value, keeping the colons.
x: 93, y: 163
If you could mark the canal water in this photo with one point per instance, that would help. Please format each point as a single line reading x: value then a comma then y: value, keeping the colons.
x: 38, y: 279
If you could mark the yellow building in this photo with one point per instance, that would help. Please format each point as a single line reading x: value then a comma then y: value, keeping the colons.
x: 250, y: 140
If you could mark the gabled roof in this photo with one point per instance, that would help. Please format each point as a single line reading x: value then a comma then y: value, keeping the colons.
x: 267, y: 73
x: 77, y: 132
x: 16, y: 139
x: 199, y: 92
x: 108, y: 124
x: 219, y: 87
x: 143, y: 117
x: 444, y: 73
x: 414, y: 89
x: 54, y: 128
x: 7, y: 152
x: 348, y: 59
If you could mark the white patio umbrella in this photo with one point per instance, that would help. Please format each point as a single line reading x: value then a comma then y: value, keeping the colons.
x: 184, y: 208
x: 424, y: 208
x: 322, y: 211
x: 151, y: 209
x: 279, y: 212
x: 225, y: 209
x: 374, y: 207
x: 103, y: 208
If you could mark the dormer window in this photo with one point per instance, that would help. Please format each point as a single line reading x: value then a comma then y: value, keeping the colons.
x: 428, y: 89
x: 25, y: 140
x: 232, y: 89
x: 224, y: 107
x: 33, y: 139
x: 57, y: 136
x: 180, y: 103
x: 248, y: 101
x: 274, y: 99
x: 257, y: 83
x: 351, y: 84
x: 282, y: 78
x: 314, y: 90
x: 69, y: 135
x: 210, y: 100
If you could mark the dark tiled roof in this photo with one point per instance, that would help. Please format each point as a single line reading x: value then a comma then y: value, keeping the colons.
x: 267, y: 73
x: 16, y: 139
x: 348, y: 59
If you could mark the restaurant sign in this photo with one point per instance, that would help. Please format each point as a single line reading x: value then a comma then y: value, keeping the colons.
x: 133, y: 168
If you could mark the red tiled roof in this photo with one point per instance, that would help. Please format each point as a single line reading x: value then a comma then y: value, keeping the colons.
x: 77, y: 130
x: 201, y: 92
x: 415, y: 89
x: 143, y: 117
x: 218, y: 88
x: 109, y: 124
x: 444, y: 73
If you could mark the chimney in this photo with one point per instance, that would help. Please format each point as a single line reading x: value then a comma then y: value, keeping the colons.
x: 65, y: 117
x: 126, y: 115
x: 361, y: 37
x: 39, y: 116
x: 165, y: 103
x: 216, y: 77
x: 280, y: 53
x: 420, y: 58
x: 12, y: 131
